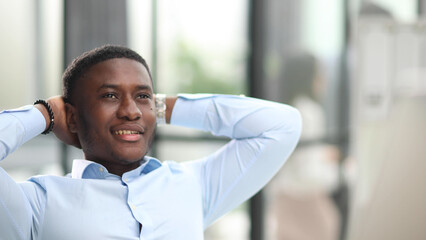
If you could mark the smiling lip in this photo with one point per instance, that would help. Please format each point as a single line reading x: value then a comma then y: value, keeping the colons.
x: 128, y: 133
x: 125, y: 132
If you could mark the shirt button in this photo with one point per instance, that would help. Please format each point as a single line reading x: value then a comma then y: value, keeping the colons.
x: 101, y: 169
x: 133, y: 207
x: 126, y: 180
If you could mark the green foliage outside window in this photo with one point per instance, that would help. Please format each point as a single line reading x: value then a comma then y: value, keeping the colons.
x: 197, y: 74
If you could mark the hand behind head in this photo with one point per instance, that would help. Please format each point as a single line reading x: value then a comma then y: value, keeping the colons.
x: 60, y: 129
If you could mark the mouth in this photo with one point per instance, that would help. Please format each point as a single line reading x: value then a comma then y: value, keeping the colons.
x: 126, y: 132
x: 127, y: 135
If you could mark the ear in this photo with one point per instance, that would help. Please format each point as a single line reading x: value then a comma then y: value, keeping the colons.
x: 71, y: 117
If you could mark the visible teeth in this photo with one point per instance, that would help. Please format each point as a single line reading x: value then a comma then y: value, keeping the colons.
x: 122, y: 132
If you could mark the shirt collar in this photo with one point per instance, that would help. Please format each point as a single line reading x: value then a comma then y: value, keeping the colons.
x: 86, y: 169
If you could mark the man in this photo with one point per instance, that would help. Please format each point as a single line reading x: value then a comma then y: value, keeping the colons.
x: 117, y: 192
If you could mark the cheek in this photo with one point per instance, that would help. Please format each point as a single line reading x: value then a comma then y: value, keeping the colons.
x: 149, y: 115
x: 91, y: 122
x: 86, y: 129
x: 150, y: 122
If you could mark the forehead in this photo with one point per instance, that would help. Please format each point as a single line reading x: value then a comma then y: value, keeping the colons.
x: 119, y: 71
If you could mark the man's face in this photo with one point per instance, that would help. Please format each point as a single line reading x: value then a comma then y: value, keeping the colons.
x: 114, y: 113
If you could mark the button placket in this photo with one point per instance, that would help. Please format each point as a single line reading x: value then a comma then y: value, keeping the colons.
x: 133, y: 206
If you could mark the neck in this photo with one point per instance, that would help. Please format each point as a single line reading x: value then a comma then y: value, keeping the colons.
x: 118, y: 168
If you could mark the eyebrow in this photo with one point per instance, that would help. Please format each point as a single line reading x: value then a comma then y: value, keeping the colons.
x: 115, y: 86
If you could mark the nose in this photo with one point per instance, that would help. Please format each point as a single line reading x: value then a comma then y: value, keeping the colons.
x: 129, y: 110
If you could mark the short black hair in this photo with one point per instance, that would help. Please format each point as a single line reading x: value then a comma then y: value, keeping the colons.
x: 80, y: 65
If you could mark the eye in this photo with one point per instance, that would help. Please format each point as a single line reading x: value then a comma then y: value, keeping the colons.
x: 144, y: 96
x: 109, y: 95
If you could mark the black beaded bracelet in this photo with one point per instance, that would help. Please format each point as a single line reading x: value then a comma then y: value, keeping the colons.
x: 49, y: 110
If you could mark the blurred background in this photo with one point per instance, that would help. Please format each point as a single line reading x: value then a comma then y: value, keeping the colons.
x: 355, y: 69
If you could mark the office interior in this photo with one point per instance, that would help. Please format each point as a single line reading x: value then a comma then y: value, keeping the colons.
x: 356, y: 70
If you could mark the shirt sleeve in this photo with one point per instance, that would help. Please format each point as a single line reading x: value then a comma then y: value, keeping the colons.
x: 16, y: 215
x: 17, y: 126
x: 263, y: 135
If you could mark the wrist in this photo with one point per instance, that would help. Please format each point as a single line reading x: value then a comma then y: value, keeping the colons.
x: 160, y: 108
x: 47, y: 112
x: 164, y: 106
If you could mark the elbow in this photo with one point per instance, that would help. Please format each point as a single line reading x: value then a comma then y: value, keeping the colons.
x: 287, y: 134
x: 292, y: 123
x: 284, y: 124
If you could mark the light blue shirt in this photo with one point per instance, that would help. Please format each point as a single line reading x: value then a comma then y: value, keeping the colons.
x: 170, y: 200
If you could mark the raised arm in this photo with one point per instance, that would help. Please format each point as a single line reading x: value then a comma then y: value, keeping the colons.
x: 17, y: 126
x: 16, y: 212
x: 263, y: 136
x: 20, y: 204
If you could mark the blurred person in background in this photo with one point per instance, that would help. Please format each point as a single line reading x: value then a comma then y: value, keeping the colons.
x: 300, y: 204
x: 110, y: 111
